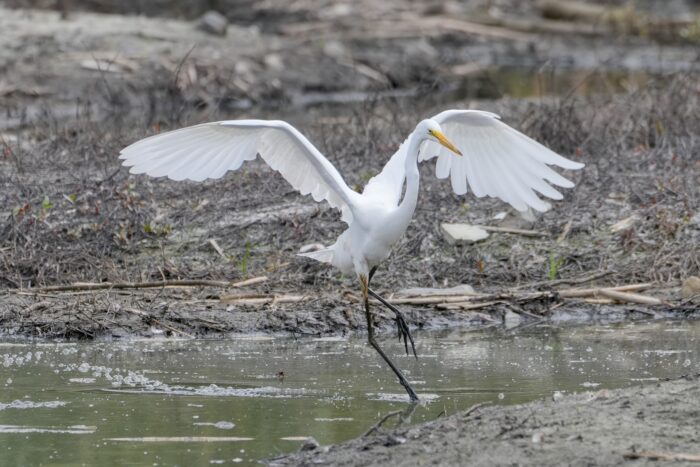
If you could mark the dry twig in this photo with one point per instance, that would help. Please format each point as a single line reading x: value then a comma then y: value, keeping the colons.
x: 527, y: 233
x: 631, y: 297
x: 381, y: 422
x: 145, y: 285
x: 663, y: 456
x: 262, y: 299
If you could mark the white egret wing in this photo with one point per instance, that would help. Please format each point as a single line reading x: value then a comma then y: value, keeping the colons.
x: 497, y: 160
x: 211, y: 149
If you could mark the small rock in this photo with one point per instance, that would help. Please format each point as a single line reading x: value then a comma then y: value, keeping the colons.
x: 463, y: 233
x: 413, y: 434
x: 335, y: 49
x: 310, y: 445
x: 600, y: 395
x: 274, y: 62
x: 335, y: 11
x: 393, y: 440
x: 511, y: 320
x: 541, y: 435
x: 690, y: 287
x: 213, y: 22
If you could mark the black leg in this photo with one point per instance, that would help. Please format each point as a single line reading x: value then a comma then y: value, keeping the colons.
x: 404, y: 331
x: 373, y: 342
x: 371, y: 274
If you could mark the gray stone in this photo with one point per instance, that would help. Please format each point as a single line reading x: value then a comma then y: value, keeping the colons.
x: 463, y: 233
x: 310, y: 445
x: 213, y: 22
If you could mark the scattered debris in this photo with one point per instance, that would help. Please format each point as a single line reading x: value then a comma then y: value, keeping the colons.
x: 626, y: 297
x: 565, y: 231
x: 214, y: 244
x: 109, y: 65
x: 470, y: 301
x: 624, y: 224
x: 151, y: 319
x: 691, y: 287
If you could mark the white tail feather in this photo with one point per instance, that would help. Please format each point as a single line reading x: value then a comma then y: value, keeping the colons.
x: 324, y: 256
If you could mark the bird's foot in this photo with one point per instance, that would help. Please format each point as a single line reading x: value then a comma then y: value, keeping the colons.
x: 402, y: 327
x: 404, y: 333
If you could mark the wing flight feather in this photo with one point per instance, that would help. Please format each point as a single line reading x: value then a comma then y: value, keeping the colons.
x: 209, y: 150
x: 498, y: 160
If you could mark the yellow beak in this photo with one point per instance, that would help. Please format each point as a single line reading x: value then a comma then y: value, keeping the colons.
x: 445, y: 142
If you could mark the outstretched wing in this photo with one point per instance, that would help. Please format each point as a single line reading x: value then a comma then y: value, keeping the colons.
x: 498, y: 160
x: 210, y: 150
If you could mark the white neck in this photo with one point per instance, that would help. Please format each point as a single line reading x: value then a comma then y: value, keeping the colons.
x: 410, y: 198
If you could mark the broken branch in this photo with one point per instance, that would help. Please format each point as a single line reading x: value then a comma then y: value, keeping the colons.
x: 146, y: 285
x: 631, y: 297
x: 261, y: 300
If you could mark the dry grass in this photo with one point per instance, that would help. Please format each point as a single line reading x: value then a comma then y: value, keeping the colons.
x: 74, y: 215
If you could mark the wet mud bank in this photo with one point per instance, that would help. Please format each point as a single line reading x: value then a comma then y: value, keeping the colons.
x: 205, y: 314
x: 633, y: 426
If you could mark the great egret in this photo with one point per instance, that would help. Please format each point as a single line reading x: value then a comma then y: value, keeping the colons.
x: 493, y: 159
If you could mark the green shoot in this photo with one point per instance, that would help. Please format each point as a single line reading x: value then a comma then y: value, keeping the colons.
x: 555, y: 263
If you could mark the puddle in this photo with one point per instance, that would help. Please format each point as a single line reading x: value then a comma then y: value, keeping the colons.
x: 524, y: 83
x: 187, y: 402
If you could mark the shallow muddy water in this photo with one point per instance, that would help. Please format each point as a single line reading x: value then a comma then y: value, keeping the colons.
x: 196, y: 402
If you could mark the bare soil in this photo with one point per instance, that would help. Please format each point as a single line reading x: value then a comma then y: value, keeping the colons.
x: 633, y: 426
x: 74, y: 91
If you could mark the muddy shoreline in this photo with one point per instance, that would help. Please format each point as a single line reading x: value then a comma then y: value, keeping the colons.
x: 202, y: 312
x: 633, y: 426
